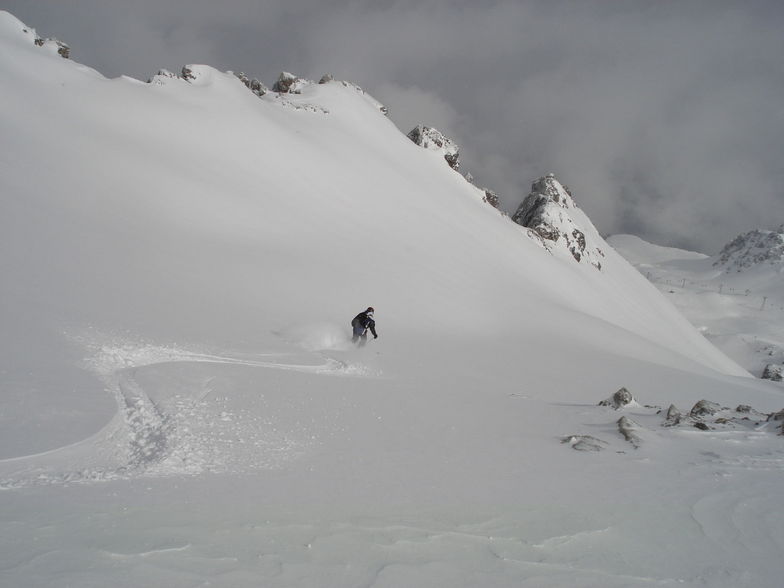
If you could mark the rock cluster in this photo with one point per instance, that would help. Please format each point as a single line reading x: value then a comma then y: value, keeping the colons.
x: 253, y: 84
x: 62, y: 49
x: 704, y: 415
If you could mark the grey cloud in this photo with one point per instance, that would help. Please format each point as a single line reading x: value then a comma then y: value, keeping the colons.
x: 665, y: 118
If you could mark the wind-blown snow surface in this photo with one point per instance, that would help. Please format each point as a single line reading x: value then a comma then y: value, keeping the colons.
x: 181, y: 405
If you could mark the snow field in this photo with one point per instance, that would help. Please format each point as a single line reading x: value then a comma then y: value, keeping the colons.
x: 181, y: 405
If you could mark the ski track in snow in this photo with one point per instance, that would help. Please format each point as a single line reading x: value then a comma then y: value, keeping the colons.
x: 188, y: 434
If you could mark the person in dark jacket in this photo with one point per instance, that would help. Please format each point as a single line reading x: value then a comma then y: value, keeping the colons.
x: 362, y: 323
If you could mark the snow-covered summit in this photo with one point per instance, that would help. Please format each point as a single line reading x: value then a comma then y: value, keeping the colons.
x: 551, y: 213
x: 757, y: 247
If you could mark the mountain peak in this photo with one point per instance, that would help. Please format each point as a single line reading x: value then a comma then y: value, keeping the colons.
x: 751, y: 249
x: 548, y: 211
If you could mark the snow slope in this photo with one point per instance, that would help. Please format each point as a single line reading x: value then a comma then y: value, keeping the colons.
x: 181, y: 405
x: 739, y: 307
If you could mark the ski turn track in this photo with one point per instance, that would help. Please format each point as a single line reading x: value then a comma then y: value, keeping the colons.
x: 190, y: 432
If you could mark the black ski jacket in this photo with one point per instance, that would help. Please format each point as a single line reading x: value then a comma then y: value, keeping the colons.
x: 364, y: 321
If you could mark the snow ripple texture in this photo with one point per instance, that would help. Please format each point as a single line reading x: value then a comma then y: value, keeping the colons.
x: 185, y: 432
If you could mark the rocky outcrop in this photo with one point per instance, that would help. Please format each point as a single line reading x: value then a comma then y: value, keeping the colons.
x: 63, y: 50
x: 673, y: 417
x: 777, y: 418
x: 288, y: 83
x: 491, y: 198
x: 704, y: 408
x: 547, y: 211
x: 433, y: 140
x: 752, y: 249
x: 773, y: 372
x: 252, y: 84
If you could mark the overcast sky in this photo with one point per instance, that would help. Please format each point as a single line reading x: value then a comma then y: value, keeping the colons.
x: 664, y: 117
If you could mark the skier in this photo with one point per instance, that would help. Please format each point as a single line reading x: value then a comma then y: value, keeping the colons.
x: 361, y: 323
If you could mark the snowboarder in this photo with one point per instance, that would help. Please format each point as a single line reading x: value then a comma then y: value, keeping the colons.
x: 361, y: 323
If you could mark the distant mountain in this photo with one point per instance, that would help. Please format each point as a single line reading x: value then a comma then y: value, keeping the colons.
x: 758, y: 247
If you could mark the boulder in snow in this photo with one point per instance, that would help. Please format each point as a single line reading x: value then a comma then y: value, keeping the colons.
x: 772, y: 372
x: 704, y: 408
x: 673, y: 417
x: 620, y: 399
x: 584, y: 442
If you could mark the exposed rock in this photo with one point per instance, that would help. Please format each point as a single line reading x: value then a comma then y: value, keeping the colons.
x: 628, y: 428
x: 702, y: 426
x: 778, y: 417
x: 772, y: 372
x: 289, y: 84
x: 584, y: 442
x: 674, y: 416
x: 547, y: 210
x: 751, y: 249
x: 704, y: 408
x: 326, y: 78
x: 253, y: 84
x: 433, y: 140
x: 491, y: 198
x: 744, y: 408
x: 620, y: 399
x: 187, y: 74
x: 161, y: 77
x: 62, y: 49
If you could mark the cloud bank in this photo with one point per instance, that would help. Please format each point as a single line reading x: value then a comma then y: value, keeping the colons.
x: 665, y: 118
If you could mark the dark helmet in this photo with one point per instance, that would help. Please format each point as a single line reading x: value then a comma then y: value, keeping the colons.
x: 370, y: 309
